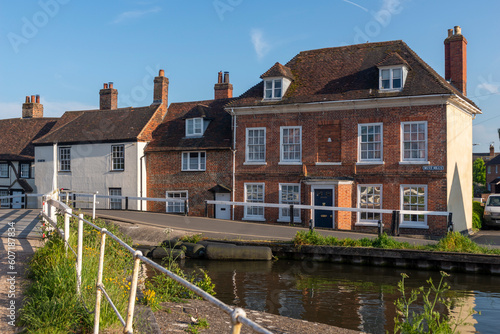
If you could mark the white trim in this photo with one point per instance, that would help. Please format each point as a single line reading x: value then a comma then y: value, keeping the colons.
x: 416, y: 226
x: 391, y: 69
x: 247, y: 160
x: 200, y: 167
x: 7, y: 169
x: 328, y: 163
x: 324, y: 185
x: 327, y: 182
x: 193, y: 120
x: 175, y: 203
x: 290, y: 161
x: 254, y: 217
x: 60, y: 160
x: 255, y: 163
x: 358, y: 199
x: 113, y: 157
x: 401, y: 137
x: 273, y: 81
x: 372, y: 103
x: 368, y: 160
x: 414, y: 162
x: 411, y: 223
x: 367, y: 163
x: 287, y: 218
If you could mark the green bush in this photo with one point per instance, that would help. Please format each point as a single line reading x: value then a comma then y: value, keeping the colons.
x: 477, y: 215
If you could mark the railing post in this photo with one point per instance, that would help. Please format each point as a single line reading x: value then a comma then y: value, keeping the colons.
x: 25, y: 201
x: 126, y: 202
x: 393, y: 222
x: 79, y: 254
x: 185, y: 207
x: 206, y: 209
x: 237, y: 312
x: 380, y: 228
x: 133, y: 292
x: 93, y: 207
x: 66, y: 231
x: 398, y: 218
x: 98, y: 296
x: 291, y: 214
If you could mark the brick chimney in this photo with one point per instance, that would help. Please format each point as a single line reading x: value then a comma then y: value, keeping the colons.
x: 108, y: 97
x: 455, y: 59
x: 492, y: 150
x: 160, y: 94
x: 32, y: 108
x: 223, y: 89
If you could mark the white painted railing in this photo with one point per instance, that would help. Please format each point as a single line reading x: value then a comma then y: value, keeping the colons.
x: 52, y: 206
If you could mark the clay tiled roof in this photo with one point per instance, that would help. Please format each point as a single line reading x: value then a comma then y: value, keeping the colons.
x: 170, y: 135
x: 17, y: 135
x: 494, y: 161
x: 278, y: 70
x: 351, y: 73
x: 91, y: 126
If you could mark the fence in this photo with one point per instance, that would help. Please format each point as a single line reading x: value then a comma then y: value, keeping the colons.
x: 6, y: 203
x: 50, y: 207
x: 395, y: 214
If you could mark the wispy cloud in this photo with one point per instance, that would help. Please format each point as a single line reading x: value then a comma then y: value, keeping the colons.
x: 355, y: 4
x: 135, y: 14
x: 259, y: 44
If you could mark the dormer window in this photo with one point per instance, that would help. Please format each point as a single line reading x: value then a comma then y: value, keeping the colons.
x: 194, y: 127
x: 273, y: 89
x: 392, y: 79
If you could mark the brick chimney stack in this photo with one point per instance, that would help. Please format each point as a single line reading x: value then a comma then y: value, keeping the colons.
x: 160, y: 94
x: 32, y: 108
x: 108, y: 97
x: 455, y: 59
x: 492, y: 150
x: 223, y: 89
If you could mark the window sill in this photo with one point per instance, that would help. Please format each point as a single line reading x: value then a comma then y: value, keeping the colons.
x: 415, y: 162
x: 417, y: 226
x: 291, y: 163
x: 375, y: 224
x: 254, y: 219
x: 117, y: 170
x: 361, y: 163
x: 287, y: 220
x: 272, y: 99
x: 256, y: 163
x: 64, y: 171
x: 328, y: 163
x: 390, y: 90
x: 193, y: 170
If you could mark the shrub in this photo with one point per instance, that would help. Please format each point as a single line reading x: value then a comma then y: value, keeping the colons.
x: 477, y: 215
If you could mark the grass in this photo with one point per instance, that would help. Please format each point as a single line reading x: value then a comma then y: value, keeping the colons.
x: 452, y: 242
x: 52, y: 305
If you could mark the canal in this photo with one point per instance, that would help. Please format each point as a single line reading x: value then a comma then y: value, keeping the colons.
x: 354, y: 297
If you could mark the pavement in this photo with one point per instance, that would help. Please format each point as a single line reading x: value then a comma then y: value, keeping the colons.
x: 20, y: 235
x: 230, y: 229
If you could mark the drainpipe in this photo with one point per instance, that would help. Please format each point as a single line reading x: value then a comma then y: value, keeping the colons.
x: 140, y: 168
x: 54, y: 158
x: 234, y: 161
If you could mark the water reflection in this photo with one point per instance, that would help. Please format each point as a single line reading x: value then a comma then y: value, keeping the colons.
x: 354, y: 297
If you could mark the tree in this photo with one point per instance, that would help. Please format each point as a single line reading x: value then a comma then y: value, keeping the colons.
x: 479, y: 171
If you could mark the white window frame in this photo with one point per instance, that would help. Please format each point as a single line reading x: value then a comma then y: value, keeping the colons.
x: 360, y: 143
x: 489, y: 169
x: 270, y: 86
x: 64, y: 159
x: 391, y: 79
x: 24, y: 174
x: 115, y: 203
x: 5, y: 202
x: 201, y: 161
x: 288, y: 161
x: 413, y: 141
x: 196, y: 127
x: 176, y: 207
x: 4, y: 170
x: 249, y: 210
x: 117, y: 157
x: 248, y: 146
x: 411, y: 223
x: 374, y: 220
x: 284, y: 215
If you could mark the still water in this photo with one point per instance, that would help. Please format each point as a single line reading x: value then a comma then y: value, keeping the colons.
x: 354, y: 297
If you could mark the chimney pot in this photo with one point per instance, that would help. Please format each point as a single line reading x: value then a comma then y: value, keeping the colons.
x: 162, y: 73
x: 27, y: 99
x: 226, y: 77
x: 105, y: 86
x: 37, y: 98
x: 219, y: 79
x: 32, y: 98
x: 458, y: 30
x: 450, y: 32
x: 110, y: 84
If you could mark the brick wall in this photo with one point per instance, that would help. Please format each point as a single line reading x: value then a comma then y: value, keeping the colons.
x: 391, y: 174
x: 164, y: 174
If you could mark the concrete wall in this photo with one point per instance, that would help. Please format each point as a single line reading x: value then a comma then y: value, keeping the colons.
x: 459, y: 167
x: 91, y: 171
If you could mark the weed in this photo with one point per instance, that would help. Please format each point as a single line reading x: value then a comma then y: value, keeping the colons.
x: 194, y: 328
x: 192, y: 238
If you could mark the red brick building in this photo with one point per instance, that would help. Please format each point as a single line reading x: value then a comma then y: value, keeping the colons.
x: 190, y: 155
x: 369, y: 126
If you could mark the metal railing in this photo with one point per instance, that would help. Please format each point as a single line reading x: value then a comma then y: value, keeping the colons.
x: 396, y: 214
x: 51, y: 205
x: 24, y: 196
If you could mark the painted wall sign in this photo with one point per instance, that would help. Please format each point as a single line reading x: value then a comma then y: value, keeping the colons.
x: 433, y: 167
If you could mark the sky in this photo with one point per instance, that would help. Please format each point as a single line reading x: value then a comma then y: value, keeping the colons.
x: 64, y: 50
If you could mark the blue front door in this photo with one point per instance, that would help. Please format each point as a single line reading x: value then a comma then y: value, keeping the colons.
x: 323, y: 218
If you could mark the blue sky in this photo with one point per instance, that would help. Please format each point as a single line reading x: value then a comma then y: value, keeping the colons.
x: 65, y: 50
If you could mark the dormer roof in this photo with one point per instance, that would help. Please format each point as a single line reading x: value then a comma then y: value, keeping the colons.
x: 278, y: 70
x: 393, y: 59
